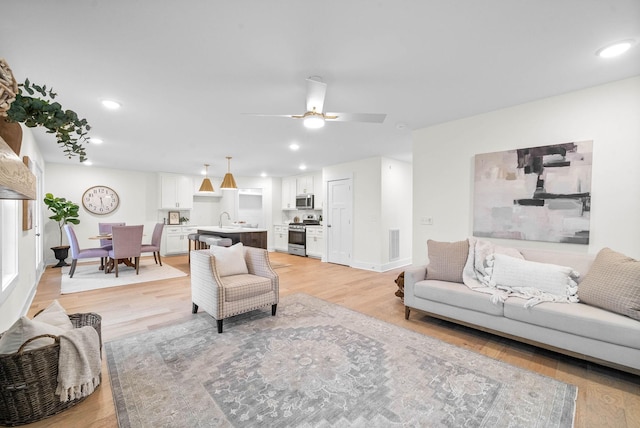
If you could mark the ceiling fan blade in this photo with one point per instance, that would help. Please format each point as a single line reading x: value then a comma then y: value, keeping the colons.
x: 271, y: 115
x: 356, y: 117
x: 316, y: 90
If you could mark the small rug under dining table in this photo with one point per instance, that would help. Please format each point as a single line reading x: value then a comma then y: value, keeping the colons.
x: 318, y: 364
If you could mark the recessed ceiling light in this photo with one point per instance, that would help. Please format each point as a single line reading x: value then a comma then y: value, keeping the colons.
x: 294, y: 146
x: 87, y: 162
x: 111, y: 105
x: 615, y: 49
x: 95, y: 140
x: 303, y: 167
x: 264, y: 174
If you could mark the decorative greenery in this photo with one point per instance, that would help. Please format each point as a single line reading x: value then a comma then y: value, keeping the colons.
x: 71, y: 131
x: 64, y: 211
x: 184, y: 219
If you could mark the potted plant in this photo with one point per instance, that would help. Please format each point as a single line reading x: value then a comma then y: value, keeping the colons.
x: 64, y: 212
x: 34, y: 105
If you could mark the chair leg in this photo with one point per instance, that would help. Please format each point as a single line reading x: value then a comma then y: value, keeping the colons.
x: 194, y: 308
x: 154, y: 257
x: 159, y: 258
x: 219, y: 322
x: 273, y: 310
x: 115, y: 262
x: 137, y: 265
x: 73, y: 268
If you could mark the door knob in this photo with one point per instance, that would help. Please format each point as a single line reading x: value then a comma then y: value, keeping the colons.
x: 328, y: 225
x: 37, y: 234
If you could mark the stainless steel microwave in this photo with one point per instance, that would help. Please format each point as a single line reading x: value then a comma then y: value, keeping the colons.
x: 304, y: 202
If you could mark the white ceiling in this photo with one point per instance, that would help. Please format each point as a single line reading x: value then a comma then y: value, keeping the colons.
x: 187, y: 72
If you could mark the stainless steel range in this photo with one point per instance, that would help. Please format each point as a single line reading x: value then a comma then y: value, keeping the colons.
x: 298, y: 237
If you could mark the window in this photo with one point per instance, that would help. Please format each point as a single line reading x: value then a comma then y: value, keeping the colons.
x: 8, y: 246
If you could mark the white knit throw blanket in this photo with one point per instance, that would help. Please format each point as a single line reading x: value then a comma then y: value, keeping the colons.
x: 79, y: 364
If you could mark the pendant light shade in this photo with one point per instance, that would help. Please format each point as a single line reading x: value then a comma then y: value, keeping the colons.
x: 206, y: 185
x: 228, y: 182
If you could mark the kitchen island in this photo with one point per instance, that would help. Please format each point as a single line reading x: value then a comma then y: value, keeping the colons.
x: 251, y: 237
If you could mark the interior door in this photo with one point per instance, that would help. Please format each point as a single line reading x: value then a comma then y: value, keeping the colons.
x: 339, y: 223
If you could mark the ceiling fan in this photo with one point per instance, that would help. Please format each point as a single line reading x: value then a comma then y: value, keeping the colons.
x: 315, y: 117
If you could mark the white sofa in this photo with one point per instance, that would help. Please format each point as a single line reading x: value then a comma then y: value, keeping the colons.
x: 575, y: 329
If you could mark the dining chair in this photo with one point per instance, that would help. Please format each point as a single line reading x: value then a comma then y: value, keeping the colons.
x: 154, y: 247
x: 127, y: 244
x: 104, y: 228
x: 77, y: 253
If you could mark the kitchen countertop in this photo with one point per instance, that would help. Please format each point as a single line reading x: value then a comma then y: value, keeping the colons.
x: 230, y: 229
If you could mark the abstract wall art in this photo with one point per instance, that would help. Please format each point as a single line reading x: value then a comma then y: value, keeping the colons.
x: 534, y: 194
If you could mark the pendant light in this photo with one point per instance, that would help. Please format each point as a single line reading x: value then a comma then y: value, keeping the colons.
x: 228, y: 182
x: 206, y: 185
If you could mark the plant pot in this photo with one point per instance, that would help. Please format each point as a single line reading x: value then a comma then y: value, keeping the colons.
x: 11, y: 133
x: 61, y: 253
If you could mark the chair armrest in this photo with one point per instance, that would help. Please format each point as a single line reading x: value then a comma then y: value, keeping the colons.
x: 257, y: 260
x: 206, y: 286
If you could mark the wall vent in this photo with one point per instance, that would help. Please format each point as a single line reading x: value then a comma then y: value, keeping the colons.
x: 394, y: 244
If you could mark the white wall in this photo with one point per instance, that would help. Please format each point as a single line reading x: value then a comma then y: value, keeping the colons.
x: 609, y: 115
x: 379, y: 194
x: 17, y: 303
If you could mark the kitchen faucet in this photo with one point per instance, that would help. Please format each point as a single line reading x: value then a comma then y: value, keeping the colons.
x: 220, y: 221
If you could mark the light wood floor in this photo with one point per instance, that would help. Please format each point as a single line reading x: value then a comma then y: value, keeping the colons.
x: 606, y: 397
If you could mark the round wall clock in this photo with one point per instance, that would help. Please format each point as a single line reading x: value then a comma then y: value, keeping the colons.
x: 100, y: 200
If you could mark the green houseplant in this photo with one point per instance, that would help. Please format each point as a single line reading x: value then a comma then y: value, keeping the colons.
x: 70, y: 130
x: 34, y: 105
x: 64, y: 212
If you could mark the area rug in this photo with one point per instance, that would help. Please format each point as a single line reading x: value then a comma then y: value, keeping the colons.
x: 317, y: 364
x: 89, y: 277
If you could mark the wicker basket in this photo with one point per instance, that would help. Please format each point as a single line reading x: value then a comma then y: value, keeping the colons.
x: 28, y: 380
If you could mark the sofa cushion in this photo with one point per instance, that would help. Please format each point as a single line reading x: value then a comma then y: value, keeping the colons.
x: 613, y: 283
x: 578, y: 319
x: 458, y: 295
x: 447, y: 260
x: 239, y: 287
x: 230, y: 260
x: 540, y: 281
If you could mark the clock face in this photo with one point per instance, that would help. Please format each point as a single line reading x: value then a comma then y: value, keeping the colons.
x: 100, y: 200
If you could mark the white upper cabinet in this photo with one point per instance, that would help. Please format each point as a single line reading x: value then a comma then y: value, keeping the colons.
x: 176, y: 191
x: 289, y: 193
x: 304, y: 184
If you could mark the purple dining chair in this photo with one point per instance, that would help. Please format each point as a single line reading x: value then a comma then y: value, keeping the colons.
x: 154, y: 247
x: 104, y: 228
x: 127, y: 244
x: 77, y: 253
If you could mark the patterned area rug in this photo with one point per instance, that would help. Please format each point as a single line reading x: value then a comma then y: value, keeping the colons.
x: 316, y: 364
x: 89, y: 277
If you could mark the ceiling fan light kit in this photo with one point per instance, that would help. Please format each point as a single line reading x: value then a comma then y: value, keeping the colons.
x: 313, y: 121
x: 228, y: 182
x: 206, y: 185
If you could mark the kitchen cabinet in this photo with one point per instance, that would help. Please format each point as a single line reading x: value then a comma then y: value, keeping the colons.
x: 281, y: 238
x: 304, y: 184
x: 176, y: 191
x: 315, y: 241
x: 175, y: 239
x: 318, y: 191
x: 289, y: 193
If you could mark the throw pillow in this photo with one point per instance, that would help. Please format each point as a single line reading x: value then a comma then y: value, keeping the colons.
x: 613, y: 283
x: 55, y: 315
x: 447, y: 260
x: 24, y: 329
x: 539, y: 281
x: 230, y: 260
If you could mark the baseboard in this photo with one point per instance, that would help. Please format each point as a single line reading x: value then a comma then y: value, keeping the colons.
x: 381, y: 267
